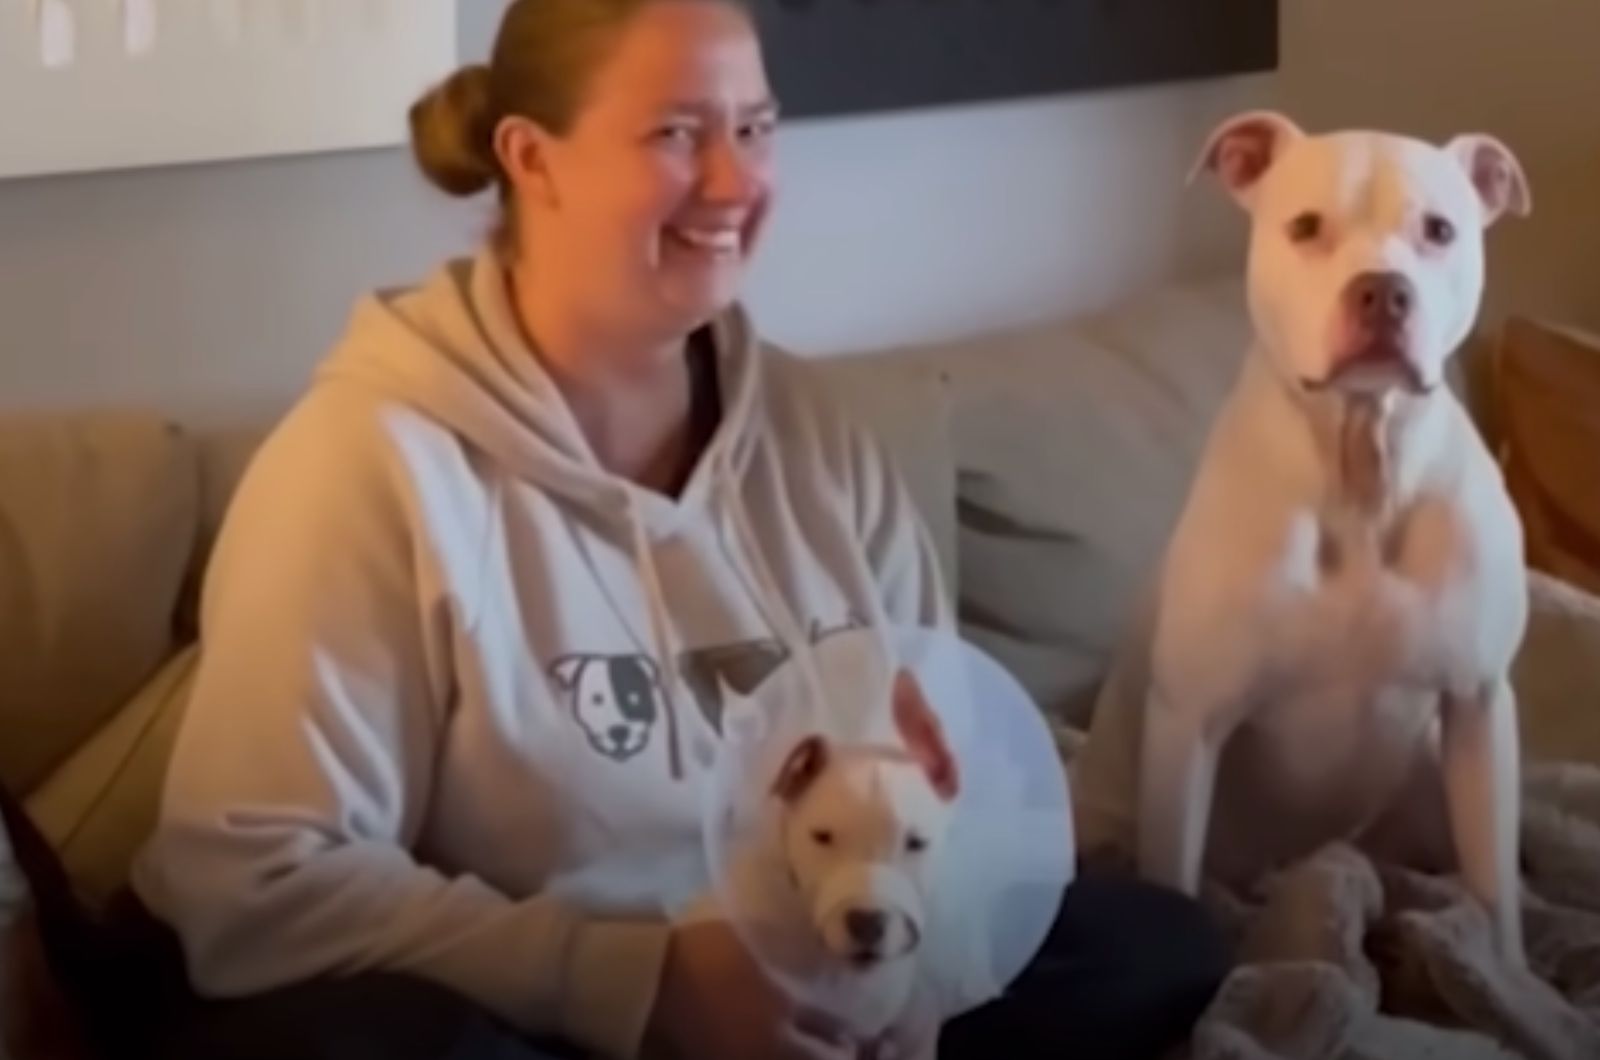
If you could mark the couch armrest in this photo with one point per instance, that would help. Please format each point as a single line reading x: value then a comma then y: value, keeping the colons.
x: 1557, y: 673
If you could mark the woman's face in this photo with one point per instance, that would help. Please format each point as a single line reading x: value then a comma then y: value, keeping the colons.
x: 655, y: 199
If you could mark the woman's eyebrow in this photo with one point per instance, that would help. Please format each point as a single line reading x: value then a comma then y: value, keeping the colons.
x: 766, y: 108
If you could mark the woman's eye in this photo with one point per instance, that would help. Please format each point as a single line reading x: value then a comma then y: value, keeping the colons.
x: 757, y: 130
x: 1305, y: 227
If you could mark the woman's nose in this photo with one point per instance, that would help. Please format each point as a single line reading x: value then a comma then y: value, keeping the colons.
x: 729, y: 172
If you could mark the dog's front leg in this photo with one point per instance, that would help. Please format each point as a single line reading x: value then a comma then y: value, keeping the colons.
x: 1177, y: 775
x: 1482, y: 778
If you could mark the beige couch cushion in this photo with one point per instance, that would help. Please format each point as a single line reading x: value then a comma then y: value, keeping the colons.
x: 1075, y: 442
x: 101, y: 804
x: 97, y: 517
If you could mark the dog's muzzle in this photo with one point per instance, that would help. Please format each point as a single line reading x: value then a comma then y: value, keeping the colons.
x: 867, y: 890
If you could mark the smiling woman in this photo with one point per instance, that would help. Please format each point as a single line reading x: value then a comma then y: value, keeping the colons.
x: 630, y: 153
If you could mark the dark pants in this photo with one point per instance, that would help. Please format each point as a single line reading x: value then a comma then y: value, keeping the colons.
x: 1124, y: 974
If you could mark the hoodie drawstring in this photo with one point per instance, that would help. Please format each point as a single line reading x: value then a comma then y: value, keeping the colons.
x: 748, y: 560
x: 660, y: 632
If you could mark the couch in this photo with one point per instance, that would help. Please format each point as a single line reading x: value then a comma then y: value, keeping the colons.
x: 1049, y: 462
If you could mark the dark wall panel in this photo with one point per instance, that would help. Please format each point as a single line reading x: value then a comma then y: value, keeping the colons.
x: 830, y: 57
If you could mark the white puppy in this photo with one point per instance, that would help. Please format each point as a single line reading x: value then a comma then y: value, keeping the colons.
x: 861, y: 829
x: 1344, y: 592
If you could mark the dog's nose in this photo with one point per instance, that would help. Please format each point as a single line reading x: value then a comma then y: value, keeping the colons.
x: 866, y: 926
x: 618, y: 734
x: 1380, y: 299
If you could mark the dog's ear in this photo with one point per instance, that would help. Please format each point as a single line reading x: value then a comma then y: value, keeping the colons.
x: 924, y: 736
x: 804, y: 764
x: 567, y: 669
x: 1241, y: 150
x: 1496, y: 175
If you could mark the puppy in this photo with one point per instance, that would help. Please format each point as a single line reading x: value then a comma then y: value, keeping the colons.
x: 1343, y: 593
x: 861, y: 828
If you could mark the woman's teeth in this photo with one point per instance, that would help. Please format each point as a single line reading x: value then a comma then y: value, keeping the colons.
x: 717, y: 240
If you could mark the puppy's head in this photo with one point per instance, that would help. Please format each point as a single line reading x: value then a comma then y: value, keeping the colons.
x: 862, y: 828
x: 1366, y: 255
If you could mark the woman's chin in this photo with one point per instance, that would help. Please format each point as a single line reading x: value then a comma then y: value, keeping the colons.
x: 694, y: 303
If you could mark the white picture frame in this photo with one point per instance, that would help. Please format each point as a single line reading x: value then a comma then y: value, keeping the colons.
x: 135, y: 83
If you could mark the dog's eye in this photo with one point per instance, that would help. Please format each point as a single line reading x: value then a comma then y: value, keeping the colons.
x: 1305, y: 227
x: 916, y: 844
x: 822, y: 837
x: 1438, y: 230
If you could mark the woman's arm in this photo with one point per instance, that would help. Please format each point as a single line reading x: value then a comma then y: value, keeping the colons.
x: 303, y: 770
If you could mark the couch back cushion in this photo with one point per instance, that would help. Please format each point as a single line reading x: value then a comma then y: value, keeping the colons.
x: 97, y: 521
x: 1074, y: 444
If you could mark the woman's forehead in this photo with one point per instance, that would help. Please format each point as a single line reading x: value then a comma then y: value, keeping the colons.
x: 688, y: 55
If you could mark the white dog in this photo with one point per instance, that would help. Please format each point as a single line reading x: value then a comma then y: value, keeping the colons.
x: 1344, y: 592
x: 861, y: 829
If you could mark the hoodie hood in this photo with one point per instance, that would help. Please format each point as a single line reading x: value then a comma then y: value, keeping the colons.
x: 451, y: 348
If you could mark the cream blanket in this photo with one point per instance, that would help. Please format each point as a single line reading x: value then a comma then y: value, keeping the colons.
x: 1342, y: 959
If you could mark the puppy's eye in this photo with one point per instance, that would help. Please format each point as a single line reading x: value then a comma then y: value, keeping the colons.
x: 1438, y: 230
x: 1305, y: 227
x: 916, y: 844
x: 822, y: 837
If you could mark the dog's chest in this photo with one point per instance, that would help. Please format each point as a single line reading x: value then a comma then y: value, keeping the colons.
x: 1364, y: 605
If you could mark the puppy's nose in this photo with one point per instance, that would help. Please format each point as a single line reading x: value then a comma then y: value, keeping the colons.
x: 1380, y: 299
x: 866, y: 926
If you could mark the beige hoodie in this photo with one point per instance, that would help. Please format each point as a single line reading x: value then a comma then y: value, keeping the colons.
x: 459, y: 684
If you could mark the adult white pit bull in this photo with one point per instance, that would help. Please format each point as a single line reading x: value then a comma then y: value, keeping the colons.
x: 1328, y: 649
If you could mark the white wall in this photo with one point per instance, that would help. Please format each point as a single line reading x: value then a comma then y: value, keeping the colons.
x: 211, y: 290
x: 987, y: 215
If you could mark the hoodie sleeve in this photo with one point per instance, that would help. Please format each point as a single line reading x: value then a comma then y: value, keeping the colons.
x: 301, y: 775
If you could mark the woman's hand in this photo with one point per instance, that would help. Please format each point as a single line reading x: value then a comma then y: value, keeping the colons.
x: 716, y: 1002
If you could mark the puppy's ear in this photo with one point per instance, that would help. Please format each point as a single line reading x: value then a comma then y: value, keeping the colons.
x: 804, y: 764
x: 919, y: 727
x: 1243, y: 148
x: 1496, y: 174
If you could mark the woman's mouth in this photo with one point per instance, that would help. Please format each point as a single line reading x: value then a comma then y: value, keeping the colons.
x: 718, y: 242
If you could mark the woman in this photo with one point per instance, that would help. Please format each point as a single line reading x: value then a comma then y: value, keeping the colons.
x: 465, y: 623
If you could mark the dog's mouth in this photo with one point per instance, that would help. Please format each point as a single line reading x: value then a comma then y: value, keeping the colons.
x: 1380, y: 364
x: 865, y: 957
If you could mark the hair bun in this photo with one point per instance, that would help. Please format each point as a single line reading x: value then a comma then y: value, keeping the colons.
x: 452, y: 132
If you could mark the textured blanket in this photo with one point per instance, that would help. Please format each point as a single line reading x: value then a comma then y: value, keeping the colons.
x: 1343, y: 959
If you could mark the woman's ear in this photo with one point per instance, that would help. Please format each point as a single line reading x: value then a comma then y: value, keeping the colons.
x: 522, y: 147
